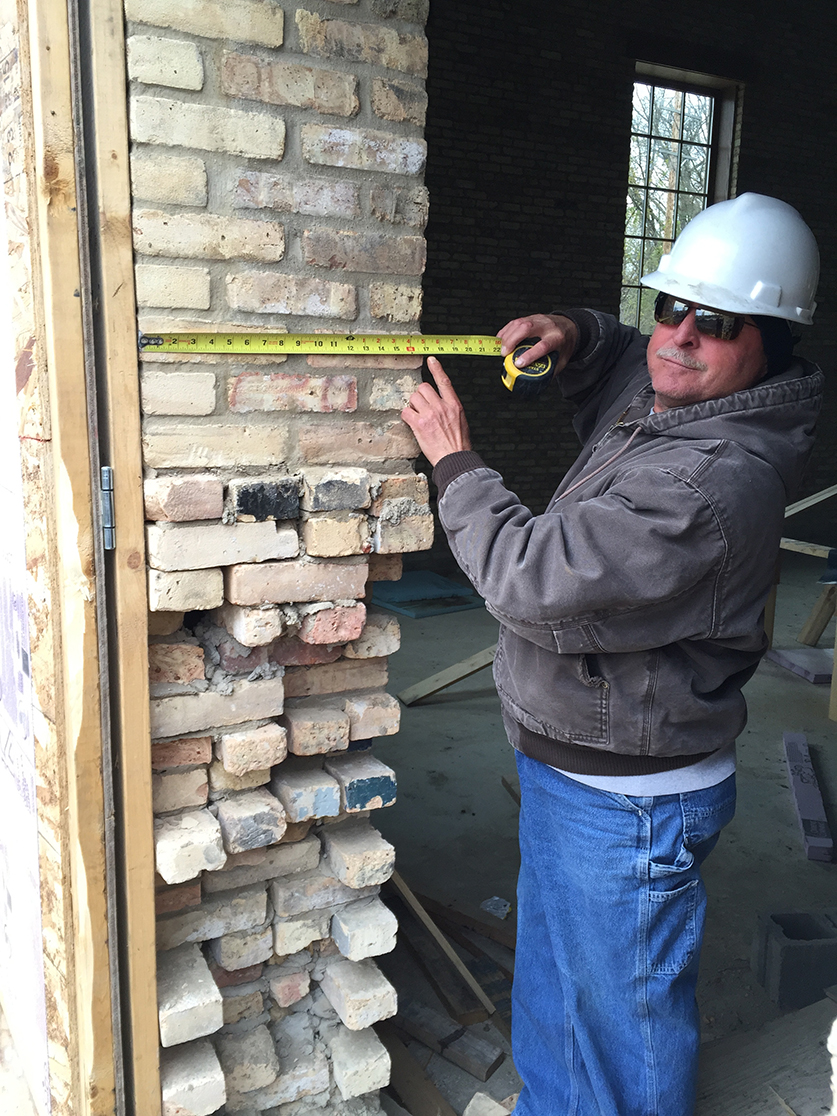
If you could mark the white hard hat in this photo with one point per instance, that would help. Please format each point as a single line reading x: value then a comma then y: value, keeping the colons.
x: 751, y: 255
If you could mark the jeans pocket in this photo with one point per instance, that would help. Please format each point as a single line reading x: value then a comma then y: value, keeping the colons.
x: 672, y: 928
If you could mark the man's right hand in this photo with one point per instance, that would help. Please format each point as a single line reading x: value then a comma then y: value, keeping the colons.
x: 556, y: 334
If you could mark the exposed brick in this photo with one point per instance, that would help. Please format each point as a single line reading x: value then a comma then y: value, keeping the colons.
x: 205, y: 236
x: 332, y: 534
x: 180, y: 499
x: 228, y: 978
x: 164, y: 623
x: 357, y: 854
x: 185, y: 446
x: 312, y: 891
x: 285, y: 391
x: 269, y: 292
x: 394, y: 100
x: 249, y: 21
x: 175, y: 662
x: 291, y: 651
x: 365, y: 782
x: 395, y: 302
x: 388, y: 394
x: 284, y: 83
x: 248, y: 1060
x: 243, y: 948
x: 155, y: 60
x: 298, y: 931
x: 177, y: 897
x: 188, y: 999
x: 403, y: 527
x: 289, y: 988
x: 360, y: 1062
x: 335, y: 489
x: 314, y: 728
x: 177, y: 393
x: 331, y: 624
x: 184, y: 590
x: 218, y: 915
x: 316, y: 197
x: 222, y: 783
x: 180, y: 546
x: 253, y: 627
x: 172, y: 287
x: 261, y: 498
x: 349, y: 442
x: 252, y: 748
x: 333, y: 678
x: 235, y: 658
x: 358, y: 42
x: 170, y: 179
x: 266, y: 863
x: 207, y: 127
x: 241, y: 1002
x: 181, y: 753
x: 364, y: 251
x: 381, y: 636
x: 326, y: 145
x: 367, y: 361
x: 398, y: 486
x: 250, y: 820
x: 174, y: 790
x: 304, y: 1073
x: 375, y: 714
x: 359, y: 993
x: 186, y: 844
x: 295, y: 581
x: 364, y: 929
x: 306, y: 793
x: 248, y: 701
x: 385, y: 567
x: 401, y: 205
x: 191, y: 1079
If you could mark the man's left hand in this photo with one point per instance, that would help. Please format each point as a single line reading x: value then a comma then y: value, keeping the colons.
x: 436, y: 417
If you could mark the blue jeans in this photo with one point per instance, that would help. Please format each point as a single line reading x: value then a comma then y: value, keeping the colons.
x: 611, y: 910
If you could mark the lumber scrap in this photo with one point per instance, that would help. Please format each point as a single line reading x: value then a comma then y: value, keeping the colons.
x: 448, y: 676
x: 445, y: 1036
x: 807, y: 797
x: 493, y: 929
x: 465, y: 938
x: 810, y: 501
x: 821, y: 613
x: 414, y: 1089
x: 814, y: 664
x: 513, y: 790
x: 804, y: 547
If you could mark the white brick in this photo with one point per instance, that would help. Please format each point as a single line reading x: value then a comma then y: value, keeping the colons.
x: 174, y: 790
x: 298, y: 931
x: 188, y: 999
x: 191, y: 1080
x: 304, y: 1073
x: 267, y: 863
x: 387, y: 394
x: 248, y: 1060
x: 180, y: 499
x: 314, y: 728
x: 180, y: 546
x: 154, y: 60
x: 251, y: 625
x: 360, y: 1062
x: 312, y: 891
x: 177, y: 393
x: 359, y: 993
x: 404, y: 526
x: 248, y: 21
x: 186, y: 844
x: 372, y: 714
x: 184, y: 590
x: 170, y: 179
x: 217, y: 916
x: 243, y: 948
x: 364, y: 929
x: 213, y: 445
x: 222, y: 783
x: 252, y: 748
x: 172, y: 287
x: 357, y: 854
x: 309, y: 793
x: 481, y: 1104
x: 362, y: 149
x: 250, y: 820
x: 205, y: 236
x: 381, y: 636
x: 248, y: 701
x: 207, y: 127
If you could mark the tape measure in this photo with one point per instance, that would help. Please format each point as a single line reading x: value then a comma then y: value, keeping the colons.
x: 284, y: 344
x: 529, y: 382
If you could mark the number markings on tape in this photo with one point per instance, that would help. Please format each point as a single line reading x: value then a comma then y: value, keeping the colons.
x: 337, y: 344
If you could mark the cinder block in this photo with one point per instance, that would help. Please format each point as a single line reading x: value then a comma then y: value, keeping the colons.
x: 298, y: 931
x: 360, y: 1062
x: 295, y: 581
x: 177, y: 393
x: 191, y: 1080
x: 314, y: 728
x: 251, y: 626
x: 184, y: 590
x: 248, y: 1060
x: 175, y: 790
x: 217, y: 915
x: 364, y: 929
x: 170, y: 179
x: 271, y: 292
x: 180, y: 499
x: 175, y: 662
x: 155, y: 60
x: 325, y: 145
x: 208, y: 127
x: 795, y: 956
x: 329, y: 624
x: 252, y: 749
x: 357, y: 854
x: 362, y: 42
x: 335, y: 678
x: 312, y: 891
x: 182, y: 546
x: 248, y: 701
x: 252, y: 21
x: 359, y: 993
x: 250, y: 820
x: 187, y: 844
x: 188, y: 1000
x: 381, y: 636
x: 222, y: 783
x: 365, y: 782
x: 181, y: 753
x: 306, y: 793
x: 335, y: 490
x: 243, y: 948
x: 267, y: 863
x: 257, y: 499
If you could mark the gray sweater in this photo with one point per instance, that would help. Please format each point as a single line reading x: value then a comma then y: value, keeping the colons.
x: 632, y: 610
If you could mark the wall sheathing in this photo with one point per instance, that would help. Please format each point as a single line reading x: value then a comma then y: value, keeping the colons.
x: 277, y: 180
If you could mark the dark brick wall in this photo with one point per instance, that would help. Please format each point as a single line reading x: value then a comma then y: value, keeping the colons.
x: 530, y: 107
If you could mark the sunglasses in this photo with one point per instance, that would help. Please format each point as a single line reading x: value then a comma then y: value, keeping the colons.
x: 669, y: 310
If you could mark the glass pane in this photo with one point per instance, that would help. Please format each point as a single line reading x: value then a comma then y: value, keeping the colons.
x: 646, y: 310
x: 694, y: 168
x: 631, y: 260
x: 642, y: 108
x: 653, y: 252
x: 638, y: 167
x: 697, y: 123
x: 663, y: 168
x: 634, y: 211
x: 629, y: 305
x: 659, y: 214
x: 666, y: 118
x: 688, y: 206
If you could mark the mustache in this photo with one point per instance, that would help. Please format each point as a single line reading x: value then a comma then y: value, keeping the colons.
x: 671, y: 352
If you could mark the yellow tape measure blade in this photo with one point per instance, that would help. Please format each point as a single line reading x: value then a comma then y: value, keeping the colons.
x: 336, y: 344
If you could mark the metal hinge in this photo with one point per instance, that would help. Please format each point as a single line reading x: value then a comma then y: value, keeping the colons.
x: 108, y: 521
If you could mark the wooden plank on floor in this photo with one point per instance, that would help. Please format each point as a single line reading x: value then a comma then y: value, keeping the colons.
x: 821, y: 613
x: 483, y: 924
x: 454, y: 1042
x: 409, y: 1081
x: 448, y: 676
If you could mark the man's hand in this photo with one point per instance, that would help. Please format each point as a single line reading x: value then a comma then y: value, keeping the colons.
x: 436, y: 417
x: 557, y: 335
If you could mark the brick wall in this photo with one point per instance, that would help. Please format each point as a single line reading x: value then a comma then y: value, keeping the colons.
x: 528, y: 122
x: 277, y: 173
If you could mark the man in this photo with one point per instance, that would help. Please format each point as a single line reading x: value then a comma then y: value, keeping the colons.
x: 631, y: 615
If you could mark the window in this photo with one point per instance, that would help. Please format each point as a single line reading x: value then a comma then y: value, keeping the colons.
x: 677, y: 152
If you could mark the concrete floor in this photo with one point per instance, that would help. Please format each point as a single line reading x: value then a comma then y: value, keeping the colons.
x: 454, y: 825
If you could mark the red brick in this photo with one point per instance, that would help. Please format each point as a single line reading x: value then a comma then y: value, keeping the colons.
x: 338, y: 624
x: 291, y: 651
x: 234, y: 661
x: 175, y: 662
x: 187, y: 752
x: 356, y: 442
x: 361, y: 251
x: 385, y: 567
x: 177, y: 897
x: 347, y: 674
x: 283, y: 391
x: 180, y: 499
x: 226, y: 978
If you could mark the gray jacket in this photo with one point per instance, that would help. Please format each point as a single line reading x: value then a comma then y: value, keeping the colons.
x: 632, y: 610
